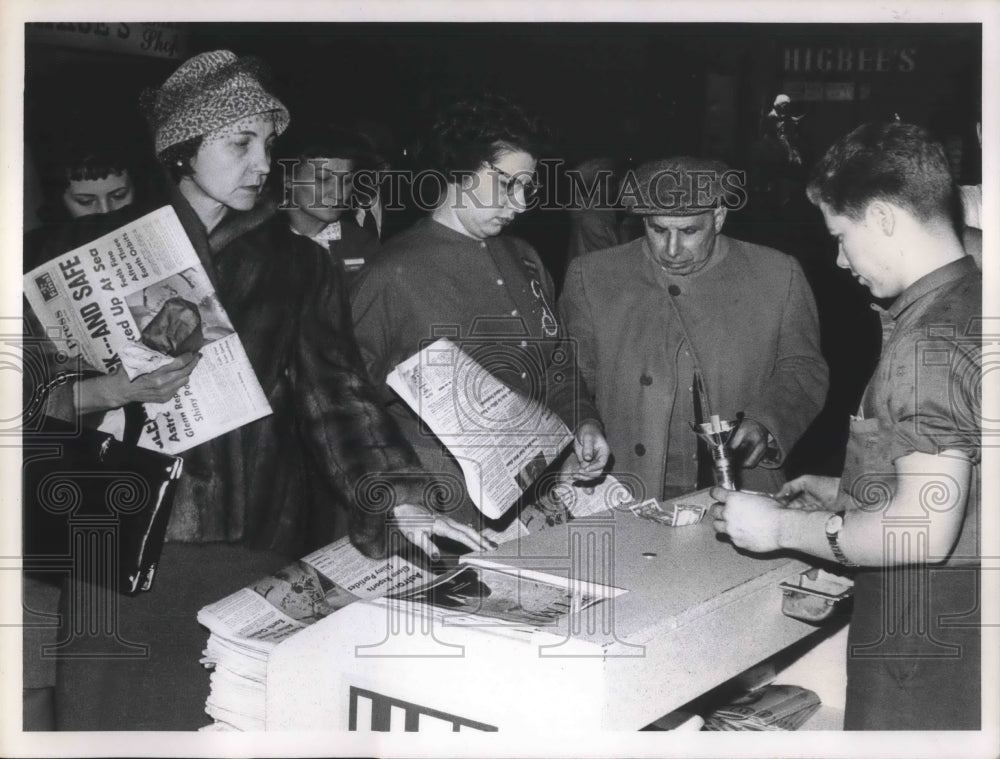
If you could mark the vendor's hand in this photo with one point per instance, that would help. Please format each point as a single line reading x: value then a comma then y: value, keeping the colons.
x: 591, y: 449
x: 810, y: 492
x: 420, y: 523
x: 751, y: 521
x: 115, y: 389
x: 749, y: 442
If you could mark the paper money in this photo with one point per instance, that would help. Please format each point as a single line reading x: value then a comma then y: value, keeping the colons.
x: 676, y: 515
x: 687, y: 513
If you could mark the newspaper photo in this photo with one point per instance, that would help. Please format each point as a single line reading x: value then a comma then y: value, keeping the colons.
x: 502, y: 440
x: 138, y: 297
x: 482, y: 592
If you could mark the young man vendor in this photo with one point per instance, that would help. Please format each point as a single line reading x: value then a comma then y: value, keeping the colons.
x: 905, y: 511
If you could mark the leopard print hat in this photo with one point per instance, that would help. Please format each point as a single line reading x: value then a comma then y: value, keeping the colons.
x: 207, y: 92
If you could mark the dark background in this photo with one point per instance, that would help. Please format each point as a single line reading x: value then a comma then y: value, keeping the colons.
x: 586, y: 80
x: 628, y: 90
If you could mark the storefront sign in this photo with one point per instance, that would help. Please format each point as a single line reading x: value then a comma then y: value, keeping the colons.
x: 843, y: 60
x: 839, y: 91
x: 816, y: 91
x: 798, y: 90
x: 158, y: 40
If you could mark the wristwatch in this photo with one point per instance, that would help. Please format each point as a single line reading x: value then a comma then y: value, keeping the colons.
x: 834, y: 524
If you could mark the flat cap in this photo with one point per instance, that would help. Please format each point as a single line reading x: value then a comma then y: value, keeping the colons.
x: 679, y: 186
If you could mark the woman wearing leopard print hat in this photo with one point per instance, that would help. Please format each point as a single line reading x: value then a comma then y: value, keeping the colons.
x: 254, y: 499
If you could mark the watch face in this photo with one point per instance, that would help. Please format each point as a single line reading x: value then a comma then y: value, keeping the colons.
x: 834, y: 523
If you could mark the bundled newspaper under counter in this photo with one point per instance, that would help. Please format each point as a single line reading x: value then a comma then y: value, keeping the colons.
x: 139, y: 297
x: 502, y: 440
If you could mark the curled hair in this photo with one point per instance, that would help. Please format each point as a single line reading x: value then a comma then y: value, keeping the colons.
x: 894, y: 162
x: 176, y: 159
x: 476, y: 130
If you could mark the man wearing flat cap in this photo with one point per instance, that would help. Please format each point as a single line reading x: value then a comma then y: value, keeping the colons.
x: 684, y: 323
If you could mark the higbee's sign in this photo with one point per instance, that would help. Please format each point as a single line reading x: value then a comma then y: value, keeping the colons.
x: 844, y: 59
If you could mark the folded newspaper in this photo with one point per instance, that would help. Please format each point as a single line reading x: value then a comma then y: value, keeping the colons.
x: 138, y: 297
x: 502, y: 440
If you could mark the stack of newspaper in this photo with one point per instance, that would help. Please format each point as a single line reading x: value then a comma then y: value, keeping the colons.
x: 247, y: 625
x: 772, y: 707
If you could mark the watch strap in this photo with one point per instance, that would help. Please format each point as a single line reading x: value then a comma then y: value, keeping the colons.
x: 833, y: 538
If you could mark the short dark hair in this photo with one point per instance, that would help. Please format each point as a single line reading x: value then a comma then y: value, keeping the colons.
x: 83, y: 156
x: 76, y: 166
x: 895, y: 162
x: 319, y: 140
x: 176, y: 159
x: 475, y: 130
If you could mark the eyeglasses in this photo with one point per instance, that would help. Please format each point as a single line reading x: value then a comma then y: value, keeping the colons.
x: 529, y: 188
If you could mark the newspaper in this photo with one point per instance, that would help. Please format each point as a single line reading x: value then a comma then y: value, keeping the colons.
x: 137, y: 297
x: 305, y: 591
x: 480, y: 591
x: 772, y: 707
x: 273, y: 608
x: 502, y: 440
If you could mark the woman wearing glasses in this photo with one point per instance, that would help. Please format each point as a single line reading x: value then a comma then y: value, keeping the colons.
x: 455, y: 274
